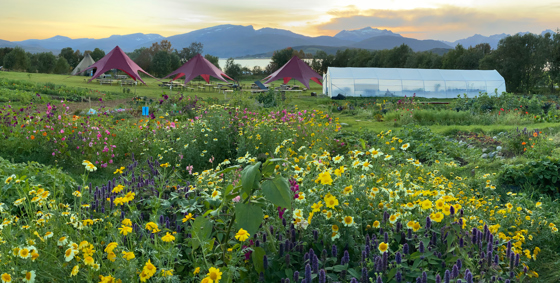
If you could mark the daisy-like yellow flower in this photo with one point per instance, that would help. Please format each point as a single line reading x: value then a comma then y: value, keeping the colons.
x: 119, y: 170
x: 348, y: 221
x: 426, y: 204
x: 331, y: 201
x: 127, y: 222
x: 6, y: 278
x: 383, y: 247
x: 188, y: 217
x: 110, y: 247
x: 24, y: 253
x: 168, y: 238
x: 376, y: 224
x: 128, y: 255
x: 405, y: 146
x: 118, y: 189
x: 29, y: 276
x: 214, y: 274
x: 437, y: 217
x: 242, y: 235
x: 393, y: 218
x: 317, y: 206
x: 324, y: 178
x: 153, y: 227
x: 88, y: 260
x: 77, y: 194
x: 125, y: 230
x: 215, y: 194
x: 164, y: 165
x: 196, y: 271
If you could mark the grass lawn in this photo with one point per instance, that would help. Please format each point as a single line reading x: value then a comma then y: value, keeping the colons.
x: 300, y: 100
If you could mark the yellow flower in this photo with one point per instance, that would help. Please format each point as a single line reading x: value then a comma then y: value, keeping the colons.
x: 188, y: 217
x: 331, y: 201
x: 127, y: 222
x: 168, y: 238
x: 164, y: 165
x: 383, y: 247
x: 393, y: 218
x: 405, y: 146
x: 29, y: 277
x: 437, y: 217
x: 214, y: 274
x: 111, y: 256
x: 75, y: 270
x: 348, y: 221
x: 24, y: 253
x: 317, y: 206
x: 128, y: 255
x: 153, y: 227
x: 118, y: 189
x: 119, y: 170
x: 375, y: 224
x: 88, y: 260
x: 426, y: 204
x: 6, y: 278
x: 242, y: 235
x: 125, y: 230
x: 206, y: 280
x: 110, y: 247
x: 196, y: 271
x: 324, y: 178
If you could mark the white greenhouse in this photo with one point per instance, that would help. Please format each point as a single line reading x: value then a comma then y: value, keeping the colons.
x: 392, y: 82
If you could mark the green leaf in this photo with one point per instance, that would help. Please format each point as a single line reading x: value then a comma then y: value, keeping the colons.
x: 248, y: 217
x: 250, y: 178
x: 201, y: 229
x: 278, y: 192
x: 258, y: 255
x: 228, y: 169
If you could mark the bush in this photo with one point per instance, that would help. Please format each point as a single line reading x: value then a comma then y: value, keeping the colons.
x: 542, y: 174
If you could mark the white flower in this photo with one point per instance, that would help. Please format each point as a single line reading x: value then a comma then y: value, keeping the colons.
x: 388, y: 157
x: 405, y: 146
x: 337, y: 159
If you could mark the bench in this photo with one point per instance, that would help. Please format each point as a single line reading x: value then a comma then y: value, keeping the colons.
x: 128, y: 82
x: 106, y: 81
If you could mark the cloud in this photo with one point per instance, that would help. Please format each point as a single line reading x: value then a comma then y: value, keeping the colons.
x: 446, y: 22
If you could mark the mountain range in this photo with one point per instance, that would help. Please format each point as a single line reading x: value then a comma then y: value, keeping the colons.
x: 237, y: 41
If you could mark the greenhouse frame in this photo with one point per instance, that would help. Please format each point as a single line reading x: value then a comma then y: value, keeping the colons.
x: 395, y: 82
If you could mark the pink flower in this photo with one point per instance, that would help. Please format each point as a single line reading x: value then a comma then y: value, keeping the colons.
x: 236, y: 199
x: 53, y: 153
x: 62, y: 131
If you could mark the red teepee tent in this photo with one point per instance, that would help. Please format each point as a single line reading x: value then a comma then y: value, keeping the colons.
x: 295, y: 69
x: 198, y: 66
x: 116, y: 59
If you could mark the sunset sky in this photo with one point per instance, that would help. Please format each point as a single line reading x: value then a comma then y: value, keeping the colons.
x: 422, y: 19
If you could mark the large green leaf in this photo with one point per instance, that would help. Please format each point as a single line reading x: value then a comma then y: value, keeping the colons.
x: 248, y: 217
x: 250, y: 178
x: 201, y: 229
x: 278, y: 192
x: 258, y: 255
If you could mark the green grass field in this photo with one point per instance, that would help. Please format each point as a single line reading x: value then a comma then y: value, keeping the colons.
x: 301, y: 100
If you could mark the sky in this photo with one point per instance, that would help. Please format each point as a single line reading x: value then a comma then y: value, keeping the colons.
x: 421, y: 19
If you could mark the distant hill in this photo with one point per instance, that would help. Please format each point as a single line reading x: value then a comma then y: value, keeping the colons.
x: 388, y: 42
x: 493, y: 40
x: 330, y: 50
x: 364, y: 33
x: 237, y: 41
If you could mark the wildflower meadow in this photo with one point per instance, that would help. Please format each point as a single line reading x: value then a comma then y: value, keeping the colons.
x: 209, y: 192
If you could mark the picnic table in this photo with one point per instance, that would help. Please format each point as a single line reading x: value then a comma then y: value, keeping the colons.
x: 106, y: 81
x: 128, y: 82
x: 121, y: 77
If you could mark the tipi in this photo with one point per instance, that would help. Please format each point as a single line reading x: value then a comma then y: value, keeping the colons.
x: 84, y: 64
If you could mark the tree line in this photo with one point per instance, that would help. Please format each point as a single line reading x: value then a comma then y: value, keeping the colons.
x: 529, y: 63
x: 18, y: 60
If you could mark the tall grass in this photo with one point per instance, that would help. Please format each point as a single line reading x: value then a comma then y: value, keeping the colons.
x: 450, y: 117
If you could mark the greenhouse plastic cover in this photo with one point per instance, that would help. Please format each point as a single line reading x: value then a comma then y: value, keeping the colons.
x: 393, y: 82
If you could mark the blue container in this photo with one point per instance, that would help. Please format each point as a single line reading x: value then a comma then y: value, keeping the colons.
x: 145, y: 111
